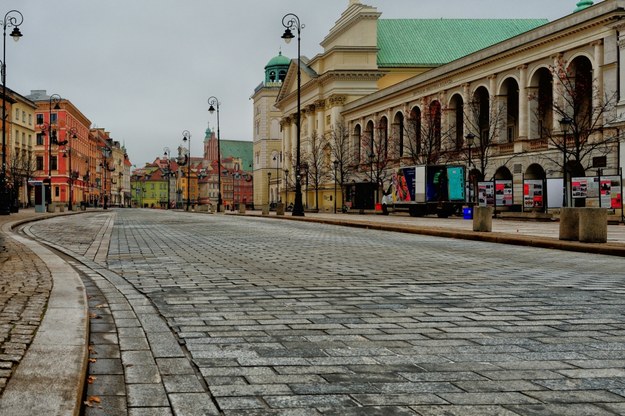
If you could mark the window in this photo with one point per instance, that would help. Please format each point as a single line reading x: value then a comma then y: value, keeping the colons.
x: 53, y: 163
x: 39, y: 163
x: 40, y: 138
x: 57, y: 191
x: 30, y: 119
x: 53, y: 118
x: 39, y: 118
x: 17, y: 114
x: 24, y: 116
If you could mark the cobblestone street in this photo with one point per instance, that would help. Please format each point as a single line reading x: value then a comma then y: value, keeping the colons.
x: 216, y: 314
x: 25, y: 285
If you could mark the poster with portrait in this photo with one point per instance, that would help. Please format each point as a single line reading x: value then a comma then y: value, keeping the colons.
x: 533, y: 193
x: 503, y: 193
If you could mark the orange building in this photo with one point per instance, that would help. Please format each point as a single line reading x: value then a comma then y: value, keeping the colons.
x: 65, y: 154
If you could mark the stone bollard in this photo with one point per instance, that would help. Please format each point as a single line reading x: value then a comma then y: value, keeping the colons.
x: 483, y: 219
x: 593, y: 225
x: 280, y: 208
x: 61, y: 208
x: 266, y: 209
x: 51, y: 207
x: 569, y: 224
x: 241, y: 208
x: 211, y: 208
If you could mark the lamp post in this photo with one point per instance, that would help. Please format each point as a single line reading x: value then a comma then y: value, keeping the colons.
x: 168, y: 174
x: 336, y: 165
x: 213, y: 104
x: 565, y: 123
x: 106, y: 153
x: 186, y: 137
x: 286, y: 186
x: 371, y: 157
x: 56, y: 99
x: 269, y: 189
x: 470, y: 140
x: 277, y: 160
x: 291, y: 21
x: 13, y: 19
x: 71, y: 177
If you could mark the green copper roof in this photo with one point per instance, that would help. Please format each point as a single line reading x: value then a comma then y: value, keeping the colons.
x: 238, y: 149
x: 583, y: 4
x: 279, y: 60
x: 433, y: 42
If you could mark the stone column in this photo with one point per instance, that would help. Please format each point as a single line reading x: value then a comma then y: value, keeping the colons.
x: 523, y: 104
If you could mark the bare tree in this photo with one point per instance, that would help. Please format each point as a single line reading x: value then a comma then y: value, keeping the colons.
x: 584, y: 115
x: 21, y: 170
x: 344, y: 154
x: 424, y: 135
x: 482, y: 124
x: 378, y: 160
x: 315, y: 158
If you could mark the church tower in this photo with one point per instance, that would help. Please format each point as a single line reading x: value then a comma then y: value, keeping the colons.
x: 267, y: 138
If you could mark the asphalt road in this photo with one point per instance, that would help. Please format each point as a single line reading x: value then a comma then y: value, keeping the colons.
x: 215, y: 314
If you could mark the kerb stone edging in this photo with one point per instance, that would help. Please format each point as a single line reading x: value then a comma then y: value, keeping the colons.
x: 50, y: 378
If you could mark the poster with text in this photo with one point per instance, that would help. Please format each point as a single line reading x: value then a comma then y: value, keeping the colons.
x: 485, y: 194
x: 503, y: 193
x: 533, y: 196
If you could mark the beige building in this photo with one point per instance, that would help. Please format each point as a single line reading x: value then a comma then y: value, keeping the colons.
x: 20, y: 157
x: 523, y: 104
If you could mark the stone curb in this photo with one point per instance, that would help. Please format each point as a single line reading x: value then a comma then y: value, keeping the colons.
x: 51, y: 376
x: 492, y: 237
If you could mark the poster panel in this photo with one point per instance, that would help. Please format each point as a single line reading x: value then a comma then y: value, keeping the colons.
x: 503, y: 193
x: 485, y: 194
x: 533, y: 196
x: 455, y: 175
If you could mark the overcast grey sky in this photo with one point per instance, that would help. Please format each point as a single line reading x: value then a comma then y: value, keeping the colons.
x: 144, y: 69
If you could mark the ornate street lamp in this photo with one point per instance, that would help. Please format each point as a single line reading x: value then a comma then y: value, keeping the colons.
x: 52, y: 139
x: 13, y: 19
x: 336, y: 165
x: 213, y: 104
x: 291, y: 21
x: 72, y: 134
x: 276, y: 159
x: 470, y: 137
x: 186, y: 136
x: 565, y: 124
x: 168, y: 174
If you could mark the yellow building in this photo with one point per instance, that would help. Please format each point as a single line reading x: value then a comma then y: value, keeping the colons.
x: 383, y: 95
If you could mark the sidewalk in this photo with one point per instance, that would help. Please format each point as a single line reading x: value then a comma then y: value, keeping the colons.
x: 33, y: 383
x: 523, y: 233
x: 44, y: 326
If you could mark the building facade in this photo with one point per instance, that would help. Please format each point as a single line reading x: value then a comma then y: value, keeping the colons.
x: 530, y: 107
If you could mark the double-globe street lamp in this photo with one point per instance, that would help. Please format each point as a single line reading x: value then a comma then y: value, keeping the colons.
x: 291, y: 21
x: 14, y: 19
x: 52, y: 139
x: 186, y: 137
x: 213, y: 105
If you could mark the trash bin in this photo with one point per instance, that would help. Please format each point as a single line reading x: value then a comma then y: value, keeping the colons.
x: 467, y: 213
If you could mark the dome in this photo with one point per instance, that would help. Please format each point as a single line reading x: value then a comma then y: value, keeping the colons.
x: 279, y: 60
x: 583, y: 4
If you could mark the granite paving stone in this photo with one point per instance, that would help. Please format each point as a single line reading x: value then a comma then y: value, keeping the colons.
x: 249, y: 315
